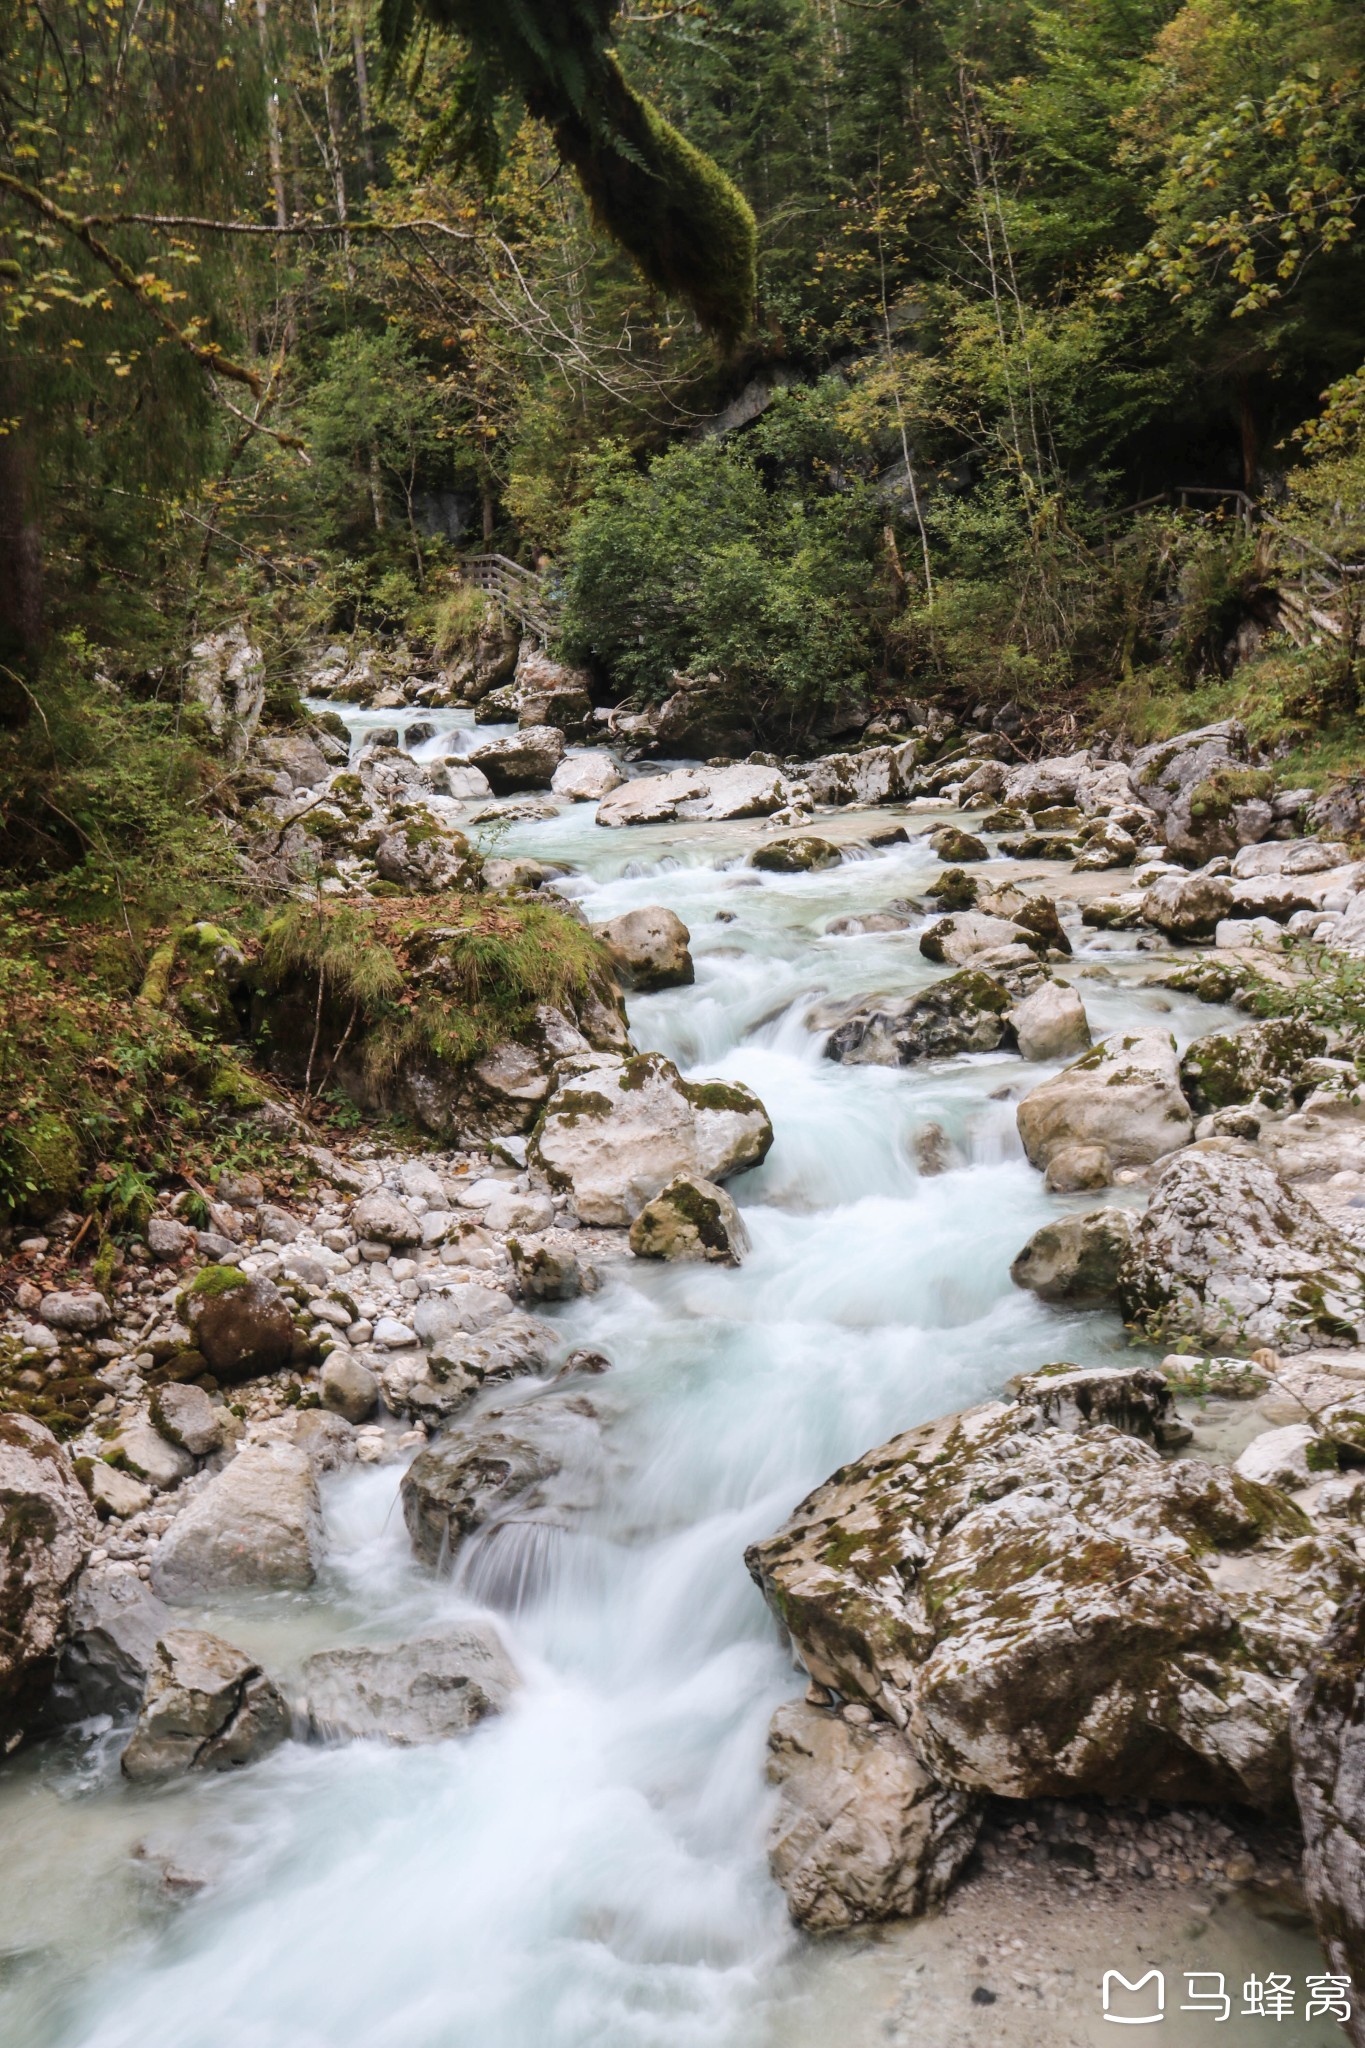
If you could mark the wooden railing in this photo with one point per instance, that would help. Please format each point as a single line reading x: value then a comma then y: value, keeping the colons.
x: 529, y: 598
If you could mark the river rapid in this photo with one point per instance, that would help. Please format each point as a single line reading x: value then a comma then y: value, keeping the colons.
x: 588, y: 1870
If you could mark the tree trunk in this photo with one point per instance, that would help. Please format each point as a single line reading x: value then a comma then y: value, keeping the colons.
x: 1250, y: 438
x: 362, y: 90
x: 272, y: 120
x: 21, y: 566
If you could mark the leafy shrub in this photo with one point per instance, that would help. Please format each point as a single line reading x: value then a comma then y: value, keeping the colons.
x: 695, y: 566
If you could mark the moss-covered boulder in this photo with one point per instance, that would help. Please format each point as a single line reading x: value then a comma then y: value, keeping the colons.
x: 617, y: 1130
x: 1051, y: 1608
x: 1076, y: 1260
x: 954, y: 889
x: 803, y: 854
x: 690, y: 1219
x: 243, y: 1326
x: 1229, y: 1254
x: 424, y: 858
x: 41, y: 1153
x: 1185, y: 780
x: 1264, y: 1060
x: 451, y: 1012
x: 965, y: 1012
x: 956, y: 847
x: 199, y: 973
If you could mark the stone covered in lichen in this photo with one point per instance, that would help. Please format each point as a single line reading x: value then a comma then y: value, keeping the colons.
x: 965, y: 1012
x: 617, y: 1130
x: 690, y: 1219
x: 1262, y: 1060
x: 1052, y: 1611
x: 1229, y: 1254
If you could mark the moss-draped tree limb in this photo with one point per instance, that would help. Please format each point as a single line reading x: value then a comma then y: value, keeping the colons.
x: 668, y: 206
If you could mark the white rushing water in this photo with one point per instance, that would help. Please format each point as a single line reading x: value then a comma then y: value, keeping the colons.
x: 588, y: 1871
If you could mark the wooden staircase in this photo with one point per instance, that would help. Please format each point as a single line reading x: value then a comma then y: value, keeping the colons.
x: 520, y: 593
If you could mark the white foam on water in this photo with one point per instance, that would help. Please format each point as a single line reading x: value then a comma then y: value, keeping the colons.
x: 588, y: 1870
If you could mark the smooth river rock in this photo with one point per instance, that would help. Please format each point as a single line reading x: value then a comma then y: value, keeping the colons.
x: 408, y: 1693
x: 1076, y: 1260
x: 649, y: 948
x: 617, y: 1130
x: 256, y: 1527
x: 1124, y: 1094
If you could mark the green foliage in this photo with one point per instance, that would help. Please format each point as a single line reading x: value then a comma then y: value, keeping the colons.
x: 668, y: 205
x: 450, y: 979
x: 695, y: 565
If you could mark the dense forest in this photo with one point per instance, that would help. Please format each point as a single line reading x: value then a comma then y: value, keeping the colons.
x: 862, y: 355
x: 294, y: 315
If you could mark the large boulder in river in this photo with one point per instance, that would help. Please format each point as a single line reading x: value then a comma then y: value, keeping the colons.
x: 256, y: 1527
x: 802, y: 853
x: 1328, y: 1729
x: 1075, y: 1261
x: 1051, y: 1024
x: 510, y: 1479
x: 1229, y: 1254
x: 1188, y: 906
x: 961, y: 938
x: 208, y: 1707
x: 1053, y: 1611
x: 615, y: 1131
x: 649, y: 948
x: 526, y: 759
x: 746, y: 790
x: 862, y: 1831
x: 586, y: 777
x: 408, y: 1693
x: 1124, y: 1094
x: 241, y: 1324
x: 876, y: 775
x: 690, y: 1219
x: 48, y: 1527
x: 965, y: 1012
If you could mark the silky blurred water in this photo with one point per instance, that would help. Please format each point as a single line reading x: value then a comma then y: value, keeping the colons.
x: 588, y: 1871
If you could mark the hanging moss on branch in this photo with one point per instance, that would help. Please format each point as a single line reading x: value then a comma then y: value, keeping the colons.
x: 668, y: 206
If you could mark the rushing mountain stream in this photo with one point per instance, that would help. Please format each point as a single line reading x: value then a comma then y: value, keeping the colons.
x: 588, y: 1870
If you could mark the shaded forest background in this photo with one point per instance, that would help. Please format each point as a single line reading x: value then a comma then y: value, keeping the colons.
x: 292, y: 320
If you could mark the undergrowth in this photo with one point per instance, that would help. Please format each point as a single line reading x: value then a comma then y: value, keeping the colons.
x: 448, y: 980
